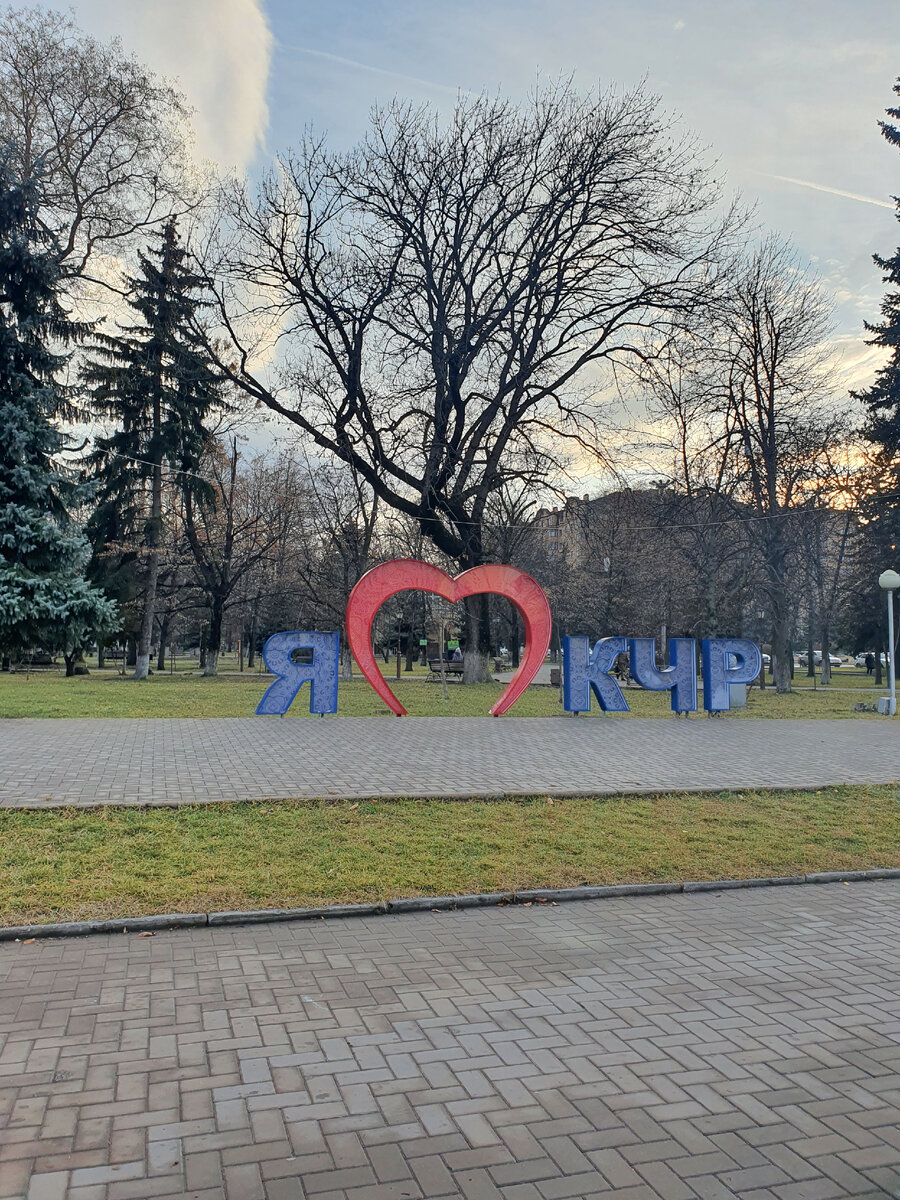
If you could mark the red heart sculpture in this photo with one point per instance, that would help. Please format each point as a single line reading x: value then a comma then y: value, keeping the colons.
x: 408, y: 574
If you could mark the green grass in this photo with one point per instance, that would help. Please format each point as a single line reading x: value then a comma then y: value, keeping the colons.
x: 107, y: 694
x: 69, y: 864
x: 841, y: 677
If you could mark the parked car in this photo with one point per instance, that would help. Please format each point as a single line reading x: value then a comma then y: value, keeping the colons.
x: 803, y: 659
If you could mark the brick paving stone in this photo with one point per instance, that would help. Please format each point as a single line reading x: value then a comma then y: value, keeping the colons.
x: 713, y: 1046
x: 167, y: 761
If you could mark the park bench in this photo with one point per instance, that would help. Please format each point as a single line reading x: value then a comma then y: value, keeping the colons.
x: 37, y: 662
x: 451, y: 669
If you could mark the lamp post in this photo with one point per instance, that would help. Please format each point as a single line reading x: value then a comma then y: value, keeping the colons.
x: 889, y: 581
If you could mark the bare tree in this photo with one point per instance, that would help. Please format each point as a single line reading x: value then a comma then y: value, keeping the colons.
x: 105, y: 137
x: 339, y: 521
x: 446, y: 294
x: 778, y: 415
x: 830, y: 530
x: 699, y: 514
x: 233, y: 525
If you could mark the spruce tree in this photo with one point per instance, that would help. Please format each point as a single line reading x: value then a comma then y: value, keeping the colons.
x: 154, y: 381
x: 882, y: 399
x: 45, y: 601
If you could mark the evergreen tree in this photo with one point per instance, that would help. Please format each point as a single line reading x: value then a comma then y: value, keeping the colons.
x: 45, y: 601
x: 882, y: 399
x: 881, y: 532
x: 154, y: 381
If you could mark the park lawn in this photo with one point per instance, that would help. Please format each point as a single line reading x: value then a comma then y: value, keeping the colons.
x: 107, y: 694
x: 841, y: 677
x: 65, y: 864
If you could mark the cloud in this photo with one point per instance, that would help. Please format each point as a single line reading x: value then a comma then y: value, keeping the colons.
x: 219, y: 53
x: 856, y: 363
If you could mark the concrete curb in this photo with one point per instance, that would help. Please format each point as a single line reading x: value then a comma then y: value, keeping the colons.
x: 149, y: 924
x: 449, y: 797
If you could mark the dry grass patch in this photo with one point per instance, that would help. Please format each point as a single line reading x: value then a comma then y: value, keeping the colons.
x: 67, y: 864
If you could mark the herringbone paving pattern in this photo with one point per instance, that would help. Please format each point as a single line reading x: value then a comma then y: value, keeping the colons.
x: 737, y: 1044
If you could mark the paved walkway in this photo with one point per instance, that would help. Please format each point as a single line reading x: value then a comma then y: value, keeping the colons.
x: 81, y: 762
x: 658, y: 1048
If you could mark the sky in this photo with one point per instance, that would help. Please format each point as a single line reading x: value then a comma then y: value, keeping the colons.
x: 786, y: 96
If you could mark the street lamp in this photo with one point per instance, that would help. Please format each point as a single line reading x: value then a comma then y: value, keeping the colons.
x: 889, y: 581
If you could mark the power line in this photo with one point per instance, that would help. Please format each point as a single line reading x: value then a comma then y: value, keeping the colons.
x: 785, y: 513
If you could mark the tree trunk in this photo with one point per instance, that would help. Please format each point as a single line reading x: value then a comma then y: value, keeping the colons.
x: 782, y: 658
x: 712, y: 607
x: 145, y: 633
x: 70, y: 663
x: 251, y: 638
x: 514, y: 635
x: 153, y: 539
x: 346, y: 661
x: 101, y: 656
x: 214, y: 638
x: 410, y: 651
x: 130, y: 651
x: 826, y: 655
x: 782, y: 616
x: 478, y: 640
x: 163, y: 638
x: 810, y: 657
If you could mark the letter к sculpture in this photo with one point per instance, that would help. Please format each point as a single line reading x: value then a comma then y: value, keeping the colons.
x: 586, y: 670
x: 408, y: 574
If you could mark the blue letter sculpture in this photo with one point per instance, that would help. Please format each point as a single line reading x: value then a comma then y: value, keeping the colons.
x: 322, y: 672
x: 681, y: 676
x: 584, y: 671
x: 718, y: 675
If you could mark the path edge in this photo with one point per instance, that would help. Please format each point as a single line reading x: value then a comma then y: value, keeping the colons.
x: 158, y: 921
